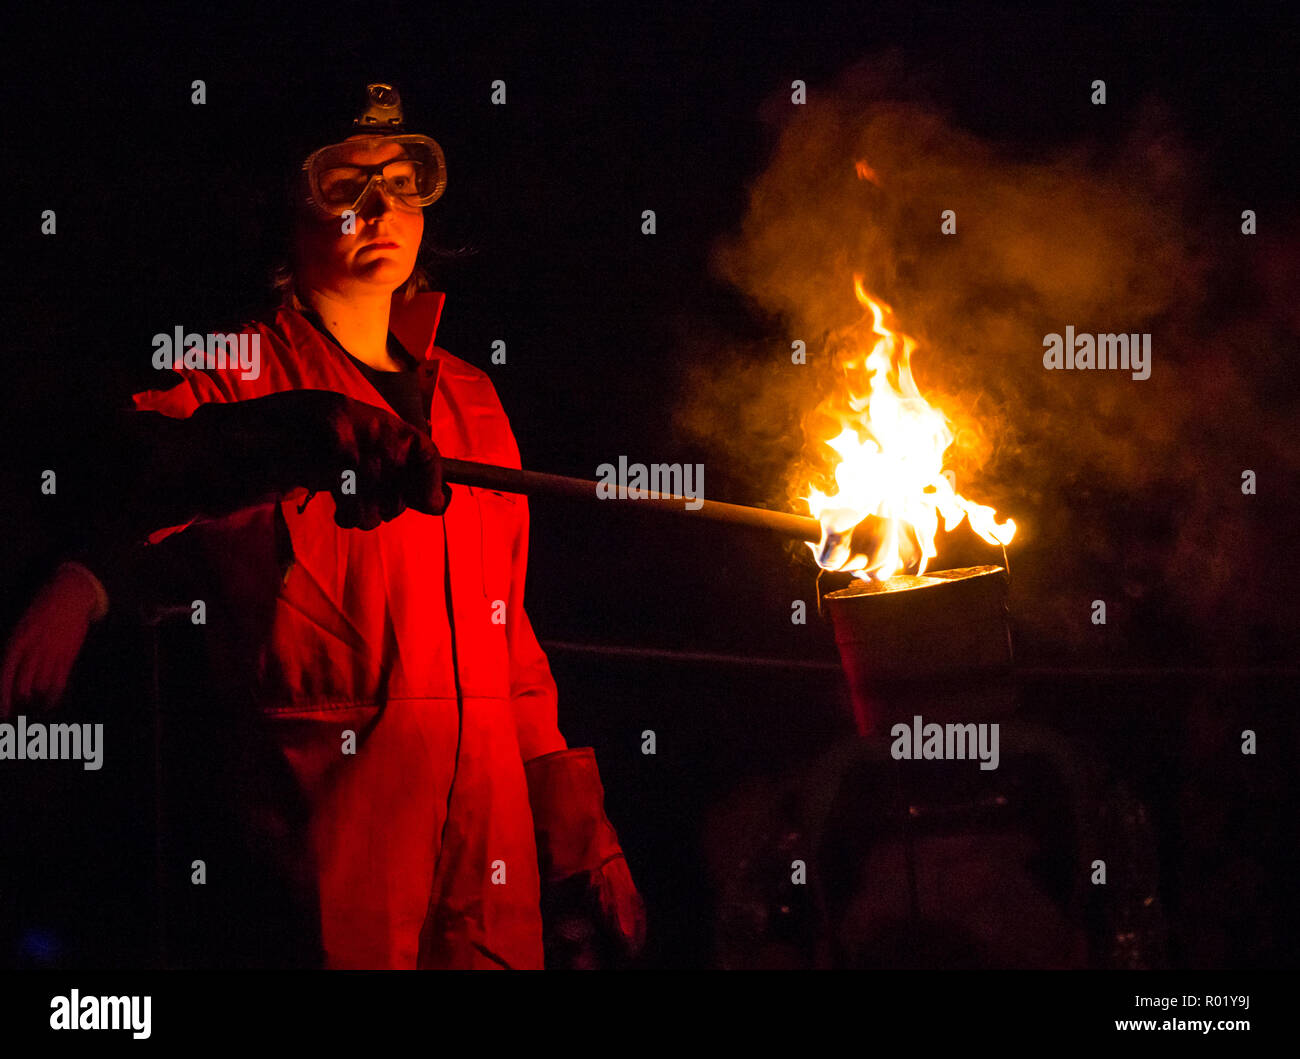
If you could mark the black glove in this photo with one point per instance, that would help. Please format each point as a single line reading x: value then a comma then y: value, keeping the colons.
x: 143, y: 471
x: 312, y: 438
x: 164, y: 471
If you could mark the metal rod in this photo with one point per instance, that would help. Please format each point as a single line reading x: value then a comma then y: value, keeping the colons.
x: 658, y: 654
x: 535, y: 483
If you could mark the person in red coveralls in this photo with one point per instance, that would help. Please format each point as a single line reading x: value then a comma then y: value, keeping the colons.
x: 369, y: 616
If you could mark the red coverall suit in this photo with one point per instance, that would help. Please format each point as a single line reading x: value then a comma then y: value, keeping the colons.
x: 422, y: 841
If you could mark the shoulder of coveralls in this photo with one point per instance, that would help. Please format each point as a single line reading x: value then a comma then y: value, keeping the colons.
x: 472, y: 390
x: 271, y: 342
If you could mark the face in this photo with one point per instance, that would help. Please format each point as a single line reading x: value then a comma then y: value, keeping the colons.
x: 379, y: 255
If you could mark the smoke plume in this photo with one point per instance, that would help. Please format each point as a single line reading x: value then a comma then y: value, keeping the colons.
x: 1125, y: 491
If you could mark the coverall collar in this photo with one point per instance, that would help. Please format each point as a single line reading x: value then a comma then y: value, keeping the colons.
x: 415, y: 323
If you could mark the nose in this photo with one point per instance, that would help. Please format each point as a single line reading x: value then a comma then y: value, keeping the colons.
x: 377, y: 200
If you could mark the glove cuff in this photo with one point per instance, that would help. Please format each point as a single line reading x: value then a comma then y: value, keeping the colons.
x: 101, y: 596
x: 568, y: 802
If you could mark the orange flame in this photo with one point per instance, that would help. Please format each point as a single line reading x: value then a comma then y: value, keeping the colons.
x: 891, y: 449
x: 865, y: 172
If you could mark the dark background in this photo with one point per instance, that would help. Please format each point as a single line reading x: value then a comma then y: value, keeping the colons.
x: 167, y: 214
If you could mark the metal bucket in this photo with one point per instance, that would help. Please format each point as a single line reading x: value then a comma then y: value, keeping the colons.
x: 938, y: 644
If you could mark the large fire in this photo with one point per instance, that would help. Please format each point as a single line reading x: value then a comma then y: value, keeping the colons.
x: 891, y: 450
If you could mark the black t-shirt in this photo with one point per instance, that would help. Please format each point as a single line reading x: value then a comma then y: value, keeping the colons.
x: 401, y: 389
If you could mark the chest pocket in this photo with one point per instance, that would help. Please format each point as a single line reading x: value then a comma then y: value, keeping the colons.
x: 500, y: 515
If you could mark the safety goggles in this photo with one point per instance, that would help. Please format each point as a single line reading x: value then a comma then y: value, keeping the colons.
x: 339, y: 177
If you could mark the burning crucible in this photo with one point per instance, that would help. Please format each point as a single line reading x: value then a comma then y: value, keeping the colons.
x: 938, y: 644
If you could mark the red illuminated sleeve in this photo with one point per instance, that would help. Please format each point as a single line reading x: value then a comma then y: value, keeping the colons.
x: 180, y: 402
x: 532, y: 688
x: 131, y: 577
